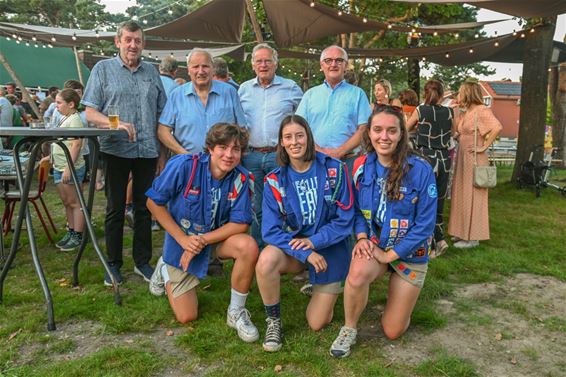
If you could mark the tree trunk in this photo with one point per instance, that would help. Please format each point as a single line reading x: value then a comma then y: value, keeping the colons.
x: 559, y: 113
x: 413, y: 75
x: 536, y: 60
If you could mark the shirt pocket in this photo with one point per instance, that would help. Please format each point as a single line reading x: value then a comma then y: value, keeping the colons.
x: 193, y: 210
x: 407, y: 203
x: 291, y: 223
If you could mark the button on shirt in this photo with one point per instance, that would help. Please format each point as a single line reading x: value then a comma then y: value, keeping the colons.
x: 334, y: 114
x: 190, y: 119
x: 265, y: 108
x: 140, y: 97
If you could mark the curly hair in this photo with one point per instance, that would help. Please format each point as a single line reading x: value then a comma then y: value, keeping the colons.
x: 399, y: 166
x: 223, y: 134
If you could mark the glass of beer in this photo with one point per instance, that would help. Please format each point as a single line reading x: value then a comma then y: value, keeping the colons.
x: 113, y: 117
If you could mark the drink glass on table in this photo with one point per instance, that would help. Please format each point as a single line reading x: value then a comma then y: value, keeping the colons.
x: 113, y: 117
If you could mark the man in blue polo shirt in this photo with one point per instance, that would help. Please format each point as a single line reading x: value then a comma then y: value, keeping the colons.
x: 266, y: 100
x: 336, y: 111
x: 193, y: 108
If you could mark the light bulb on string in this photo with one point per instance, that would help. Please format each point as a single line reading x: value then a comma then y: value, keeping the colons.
x: 435, y: 34
x: 365, y: 20
x: 36, y: 45
x: 74, y: 37
x: 17, y: 42
x: 496, y: 44
x: 471, y: 51
x: 447, y: 56
x: 389, y: 26
x: 19, y: 38
x: 339, y: 12
x: 170, y: 11
x: 34, y: 38
x: 14, y: 36
x: 532, y: 30
x: 144, y: 21
x: 27, y: 44
x: 53, y: 39
x: 476, y: 36
x: 456, y: 35
x: 50, y: 45
x: 8, y: 39
x: 514, y: 33
x: 97, y: 34
x: 44, y: 46
x: 312, y: 4
x: 134, y: 17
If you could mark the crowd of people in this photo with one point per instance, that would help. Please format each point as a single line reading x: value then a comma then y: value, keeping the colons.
x: 279, y: 181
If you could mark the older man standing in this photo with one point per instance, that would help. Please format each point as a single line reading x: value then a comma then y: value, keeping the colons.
x: 266, y: 100
x: 167, y: 72
x: 336, y: 111
x: 196, y: 106
x: 135, y: 88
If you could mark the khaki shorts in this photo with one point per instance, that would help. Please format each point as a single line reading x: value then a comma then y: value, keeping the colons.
x: 333, y: 288
x: 181, y: 281
x: 413, y: 273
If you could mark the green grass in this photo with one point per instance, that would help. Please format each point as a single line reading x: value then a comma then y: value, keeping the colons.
x: 527, y: 237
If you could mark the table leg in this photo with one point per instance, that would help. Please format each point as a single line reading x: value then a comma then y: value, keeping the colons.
x: 24, y: 211
x: 88, y: 223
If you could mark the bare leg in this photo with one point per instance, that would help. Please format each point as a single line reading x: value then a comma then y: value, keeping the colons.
x: 272, y: 263
x: 185, y: 306
x: 321, y: 310
x: 401, y: 299
x: 362, y: 273
x: 243, y: 249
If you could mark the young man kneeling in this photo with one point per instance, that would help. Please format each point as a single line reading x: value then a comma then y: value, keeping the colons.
x: 204, y: 203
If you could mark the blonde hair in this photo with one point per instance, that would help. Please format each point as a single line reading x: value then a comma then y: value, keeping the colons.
x: 470, y: 94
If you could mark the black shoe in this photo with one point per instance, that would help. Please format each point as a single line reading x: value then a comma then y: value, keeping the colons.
x: 145, y: 271
x: 117, y: 275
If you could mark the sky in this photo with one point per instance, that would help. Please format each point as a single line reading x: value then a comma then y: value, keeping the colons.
x: 503, y: 70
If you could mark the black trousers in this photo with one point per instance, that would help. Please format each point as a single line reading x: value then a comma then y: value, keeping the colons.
x: 440, y: 161
x: 116, y: 172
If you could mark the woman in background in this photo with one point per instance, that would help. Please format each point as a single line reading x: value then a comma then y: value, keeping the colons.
x: 469, y: 216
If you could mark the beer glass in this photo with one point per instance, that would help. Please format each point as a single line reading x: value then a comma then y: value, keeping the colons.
x: 113, y: 117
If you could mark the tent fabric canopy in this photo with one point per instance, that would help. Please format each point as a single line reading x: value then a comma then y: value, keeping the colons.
x: 63, y: 36
x: 509, y: 50
x: 217, y: 21
x: 43, y: 67
x: 294, y: 22
x: 236, y: 52
x: 519, y: 8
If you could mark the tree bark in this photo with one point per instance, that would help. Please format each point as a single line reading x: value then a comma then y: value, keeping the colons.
x: 536, y: 60
x: 559, y: 113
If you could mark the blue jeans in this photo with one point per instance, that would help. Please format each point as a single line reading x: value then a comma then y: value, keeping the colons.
x: 259, y: 164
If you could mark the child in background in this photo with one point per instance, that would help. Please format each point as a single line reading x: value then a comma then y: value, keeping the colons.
x: 67, y: 102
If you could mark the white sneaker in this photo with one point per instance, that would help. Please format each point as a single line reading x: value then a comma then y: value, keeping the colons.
x: 341, y: 347
x: 241, y: 321
x: 466, y: 244
x: 156, y: 283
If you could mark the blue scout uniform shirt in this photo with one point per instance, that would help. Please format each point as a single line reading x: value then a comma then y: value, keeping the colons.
x: 305, y: 185
x: 191, y: 205
x: 283, y: 218
x: 140, y: 97
x: 334, y: 114
x: 408, y: 223
x: 190, y: 120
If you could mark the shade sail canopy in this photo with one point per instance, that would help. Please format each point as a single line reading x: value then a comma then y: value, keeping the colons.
x: 519, y: 8
x: 63, y: 36
x: 236, y: 52
x: 507, y: 49
x: 43, y: 67
x: 294, y: 22
x: 217, y: 21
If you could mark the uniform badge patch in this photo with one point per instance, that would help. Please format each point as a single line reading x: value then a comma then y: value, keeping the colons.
x: 185, y: 223
x: 404, y: 223
x: 394, y: 223
x: 366, y: 213
x: 332, y: 172
x: 432, y: 192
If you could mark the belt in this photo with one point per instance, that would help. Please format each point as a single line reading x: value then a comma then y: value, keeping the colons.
x: 263, y: 149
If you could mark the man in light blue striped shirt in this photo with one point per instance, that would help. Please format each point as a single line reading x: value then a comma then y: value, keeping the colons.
x: 266, y: 100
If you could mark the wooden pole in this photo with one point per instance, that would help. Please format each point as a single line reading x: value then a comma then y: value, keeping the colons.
x: 78, y: 62
x: 255, y: 24
x: 19, y: 83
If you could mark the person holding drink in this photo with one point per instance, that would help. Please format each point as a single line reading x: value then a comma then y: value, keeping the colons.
x: 135, y: 89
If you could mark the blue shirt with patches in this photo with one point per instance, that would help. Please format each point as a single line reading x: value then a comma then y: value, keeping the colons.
x: 190, y: 120
x: 306, y: 186
x: 407, y: 224
x: 284, y: 219
x: 192, y: 205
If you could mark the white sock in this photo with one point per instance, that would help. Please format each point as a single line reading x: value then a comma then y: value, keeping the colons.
x: 237, y: 300
x: 165, y: 273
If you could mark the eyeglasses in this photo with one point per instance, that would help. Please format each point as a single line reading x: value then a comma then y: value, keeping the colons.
x: 329, y: 61
x: 380, y: 107
x: 265, y: 61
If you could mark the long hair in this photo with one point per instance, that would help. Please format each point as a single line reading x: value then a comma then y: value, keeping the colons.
x: 69, y: 95
x: 399, y: 166
x: 470, y: 94
x: 282, y: 155
x: 433, y: 92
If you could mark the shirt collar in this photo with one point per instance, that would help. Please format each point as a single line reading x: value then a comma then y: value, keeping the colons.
x: 277, y: 80
x: 214, y: 88
x: 337, y: 85
x: 121, y: 62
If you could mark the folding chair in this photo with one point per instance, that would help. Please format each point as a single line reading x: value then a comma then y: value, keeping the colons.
x: 12, y: 197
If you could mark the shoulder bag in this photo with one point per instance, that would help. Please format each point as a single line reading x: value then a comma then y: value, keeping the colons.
x: 484, y: 176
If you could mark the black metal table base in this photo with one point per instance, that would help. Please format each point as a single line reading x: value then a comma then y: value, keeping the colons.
x: 25, y: 184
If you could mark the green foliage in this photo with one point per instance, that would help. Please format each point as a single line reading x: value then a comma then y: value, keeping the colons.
x: 454, y: 76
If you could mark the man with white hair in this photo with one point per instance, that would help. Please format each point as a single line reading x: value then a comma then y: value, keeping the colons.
x: 336, y: 110
x: 266, y: 100
x: 167, y: 72
x: 196, y: 106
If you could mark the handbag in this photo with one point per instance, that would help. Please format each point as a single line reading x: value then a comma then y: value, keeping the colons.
x: 484, y: 176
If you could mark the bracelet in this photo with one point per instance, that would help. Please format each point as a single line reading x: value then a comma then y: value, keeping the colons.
x: 359, y: 239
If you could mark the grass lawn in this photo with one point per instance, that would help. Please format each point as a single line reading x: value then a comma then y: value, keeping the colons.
x: 458, y: 327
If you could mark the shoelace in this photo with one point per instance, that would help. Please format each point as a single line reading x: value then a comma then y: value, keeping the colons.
x: 273, y: 330
x: 245, y: 317
x: 344, y: 335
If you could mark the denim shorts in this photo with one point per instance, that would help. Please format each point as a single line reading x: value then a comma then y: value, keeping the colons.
x: 57, y: 174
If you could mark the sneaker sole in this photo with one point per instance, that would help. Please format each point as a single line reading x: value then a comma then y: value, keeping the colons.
x: 159, y: 293
x: 244, y: 337
x: 270, y: 348
x: 107, y: 284
x: 340, y: 356
x: 63, y: 248
x: 139, y: 273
